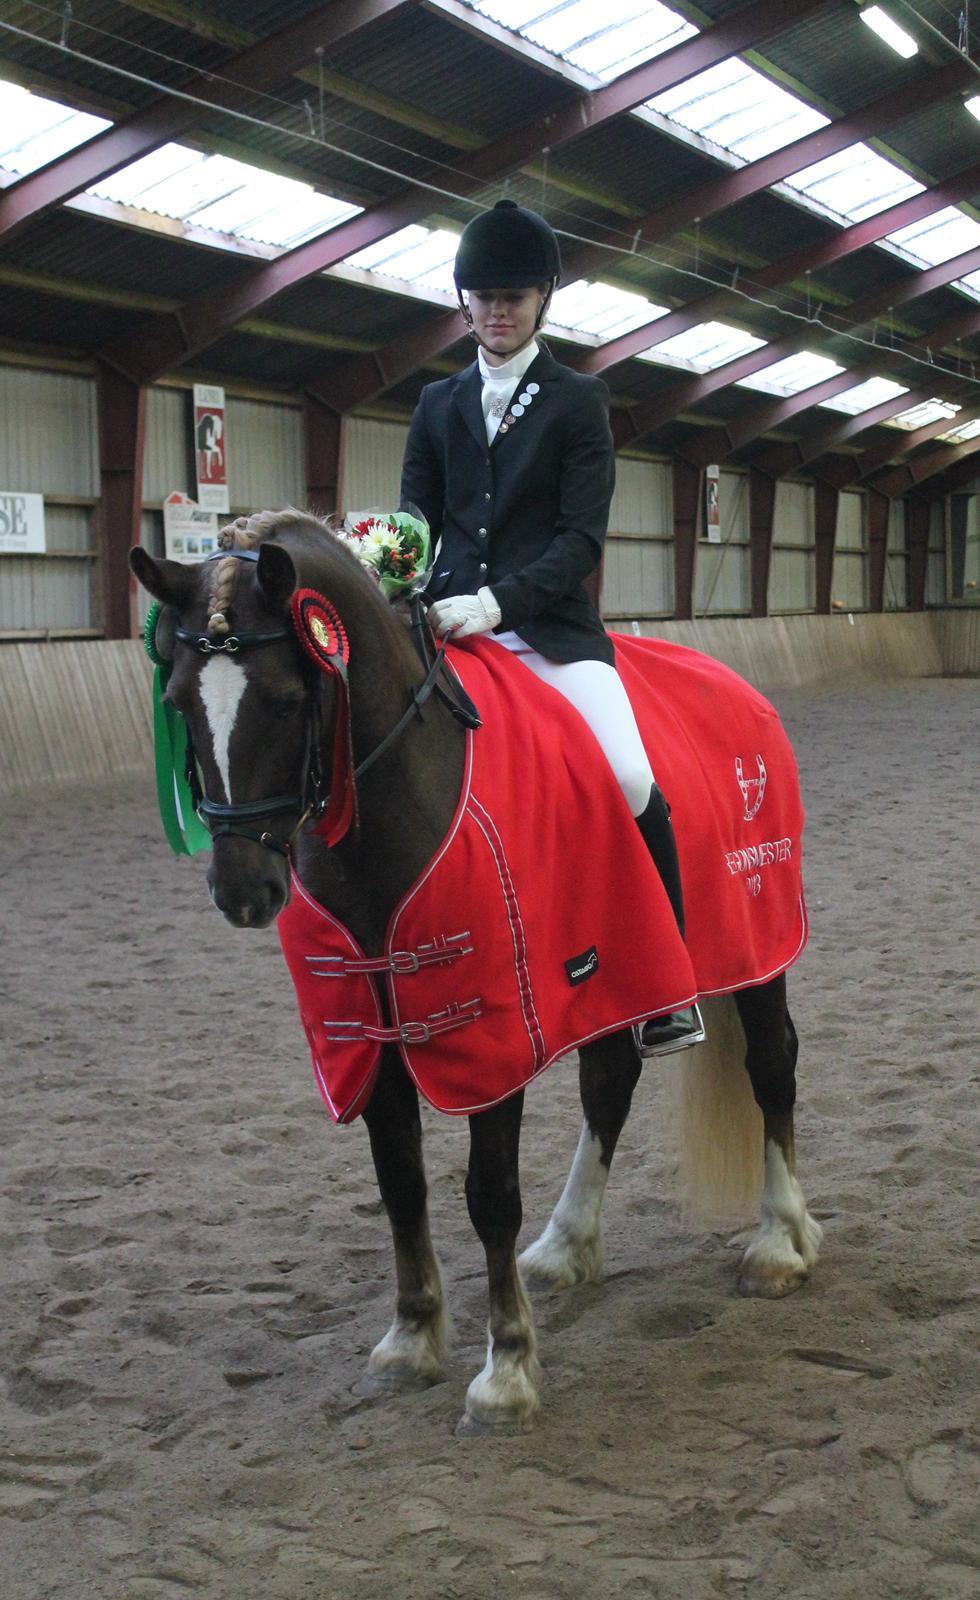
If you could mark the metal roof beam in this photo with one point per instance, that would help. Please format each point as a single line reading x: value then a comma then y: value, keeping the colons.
x: 661, y: 408
x: 357, y: 383
x: 731, y: 187
x: 901, y: 480
x: 799, y: 264
x: 896, y: 449
x: 207, y: 317
x: 258, y: 67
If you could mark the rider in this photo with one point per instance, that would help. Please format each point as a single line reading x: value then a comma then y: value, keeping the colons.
x: 523, y: 525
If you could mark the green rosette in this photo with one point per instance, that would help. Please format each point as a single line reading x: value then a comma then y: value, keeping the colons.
x: 184, y: 830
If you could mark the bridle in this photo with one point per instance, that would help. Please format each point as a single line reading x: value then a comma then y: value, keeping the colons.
x: 239, y: 821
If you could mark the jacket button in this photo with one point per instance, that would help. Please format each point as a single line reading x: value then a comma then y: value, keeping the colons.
x: 482, y: 532
x: 487, y: 495
x: 483, y: 566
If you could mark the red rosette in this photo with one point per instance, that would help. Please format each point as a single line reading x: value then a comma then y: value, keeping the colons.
x: 320, y: 630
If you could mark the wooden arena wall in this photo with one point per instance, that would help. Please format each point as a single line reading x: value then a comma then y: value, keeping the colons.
x: 78, y: 711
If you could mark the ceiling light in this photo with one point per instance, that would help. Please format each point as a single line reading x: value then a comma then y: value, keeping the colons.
x: 881, y: 23
x: 973, y: 106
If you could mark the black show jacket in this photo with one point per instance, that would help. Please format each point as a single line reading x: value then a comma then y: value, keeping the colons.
x: 526, y: 514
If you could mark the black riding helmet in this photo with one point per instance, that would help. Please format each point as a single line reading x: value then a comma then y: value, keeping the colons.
x: 507, y: 248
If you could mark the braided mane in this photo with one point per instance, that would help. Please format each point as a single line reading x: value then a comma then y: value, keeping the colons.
x: 244, y: 534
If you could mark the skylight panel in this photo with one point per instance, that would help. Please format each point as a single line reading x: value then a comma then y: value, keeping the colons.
x: 969, y: 430
x: 921, y: 415
x: 969, y: 285
x: 415, y: 255
x: 374, y: 257
x: 39, y: 130
x: 128, y: 186
x: 600, y: 309
x: 864, y: 396
x: 793, y: 374
x: 195, y: 187
x: 855, y: 183
x: 604, y: 37
x: 739, y: 109
x: 938, y: 237
x: 709, y: 345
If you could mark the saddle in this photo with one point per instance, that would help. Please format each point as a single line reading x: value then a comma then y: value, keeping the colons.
x: 566, y: 933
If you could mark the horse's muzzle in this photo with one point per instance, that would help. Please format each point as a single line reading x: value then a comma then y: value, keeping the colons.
x: 249, y: 892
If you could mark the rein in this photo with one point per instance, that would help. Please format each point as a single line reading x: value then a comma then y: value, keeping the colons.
x: 312, y: 803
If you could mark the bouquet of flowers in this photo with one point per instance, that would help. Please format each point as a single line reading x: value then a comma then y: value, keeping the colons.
x: 393, y: 546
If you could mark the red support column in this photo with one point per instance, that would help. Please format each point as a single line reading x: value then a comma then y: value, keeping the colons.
x: 122, y: 429
x: 825, y: 534
x: 687, y: 526
x: 878, y: 508
x: 917, y: 520
x: 324, y: 431
x: 762, y: 506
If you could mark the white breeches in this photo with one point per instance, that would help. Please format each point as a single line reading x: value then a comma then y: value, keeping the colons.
x: 596, y: 691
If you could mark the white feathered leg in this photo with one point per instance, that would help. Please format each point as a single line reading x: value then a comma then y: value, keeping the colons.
x: 787, y: 1243
x: 570, y: 1249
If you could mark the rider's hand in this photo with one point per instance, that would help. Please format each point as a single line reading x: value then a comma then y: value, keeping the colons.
x: 464, y: 614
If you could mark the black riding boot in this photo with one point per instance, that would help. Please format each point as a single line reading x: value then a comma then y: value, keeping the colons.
x: 676, y: 1029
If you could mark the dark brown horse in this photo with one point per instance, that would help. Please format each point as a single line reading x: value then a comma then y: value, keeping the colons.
x: 257, y: 719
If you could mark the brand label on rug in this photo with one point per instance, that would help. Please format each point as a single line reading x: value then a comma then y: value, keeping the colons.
x: 581, y: 967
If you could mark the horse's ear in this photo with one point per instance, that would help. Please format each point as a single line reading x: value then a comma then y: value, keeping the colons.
x: 276, y: 576
x: 168, y: 581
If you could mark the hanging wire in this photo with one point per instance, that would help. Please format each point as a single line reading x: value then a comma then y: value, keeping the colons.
x: 781, y: 300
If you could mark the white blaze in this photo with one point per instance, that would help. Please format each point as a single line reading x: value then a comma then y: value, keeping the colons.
x: 223, y: 683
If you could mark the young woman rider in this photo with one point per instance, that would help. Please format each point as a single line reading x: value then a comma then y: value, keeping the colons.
x: 512, y: 463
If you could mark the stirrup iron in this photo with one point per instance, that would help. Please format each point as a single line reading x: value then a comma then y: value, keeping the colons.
x: 668, y: 1046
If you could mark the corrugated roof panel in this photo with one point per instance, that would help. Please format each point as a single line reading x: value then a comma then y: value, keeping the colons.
x: 227, y: 196
x: 605, y: 37
x: 709, y: 345
x: 938, y: 237
x: 37, y: 130
x: 855, y: 183
x: 793, y: 374
x: 873, y: 392
x: 920, y: 416
x: 969, y: 430
x: 601, y: 309
x: 738, y: 108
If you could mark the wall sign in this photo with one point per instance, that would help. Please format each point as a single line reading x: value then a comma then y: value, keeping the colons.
x: 209, y: 447
x: 712, y: 518
x: 189, y: 532
x: 22, y: 523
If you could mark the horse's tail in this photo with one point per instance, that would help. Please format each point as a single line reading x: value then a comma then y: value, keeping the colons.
x: 716, y: 1122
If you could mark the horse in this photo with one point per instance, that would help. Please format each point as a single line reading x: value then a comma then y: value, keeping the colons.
x: 264, y: 723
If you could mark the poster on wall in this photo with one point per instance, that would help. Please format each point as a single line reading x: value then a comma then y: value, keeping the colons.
x: 209, y: 447
x: 189, y: 532
x: 712, y: 515
x: 22, y: 523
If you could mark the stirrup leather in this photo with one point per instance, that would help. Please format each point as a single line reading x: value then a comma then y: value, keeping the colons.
x: 695, y: 1035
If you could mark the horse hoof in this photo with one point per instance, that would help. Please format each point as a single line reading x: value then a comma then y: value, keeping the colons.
x: 773, y: 1285
x: 392, y: 1381
x: 554, y: 1264
x: 492, y: 1427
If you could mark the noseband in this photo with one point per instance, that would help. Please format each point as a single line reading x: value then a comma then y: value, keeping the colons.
x: 224, y: 821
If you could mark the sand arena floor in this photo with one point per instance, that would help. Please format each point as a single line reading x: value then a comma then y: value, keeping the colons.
x: 196, y: 1267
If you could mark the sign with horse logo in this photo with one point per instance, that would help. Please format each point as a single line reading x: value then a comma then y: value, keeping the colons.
x: 209, y: 447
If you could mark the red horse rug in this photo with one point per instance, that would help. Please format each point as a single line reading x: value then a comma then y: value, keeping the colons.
x: 541, y: 922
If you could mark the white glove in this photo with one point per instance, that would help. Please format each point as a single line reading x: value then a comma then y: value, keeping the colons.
x: 464, y: 614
